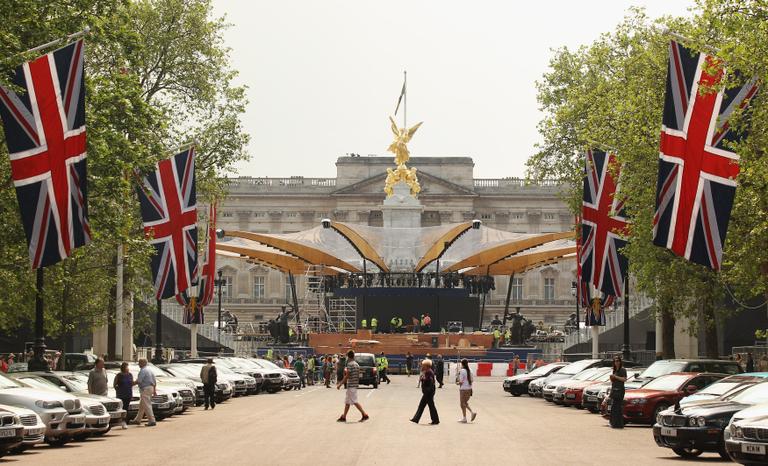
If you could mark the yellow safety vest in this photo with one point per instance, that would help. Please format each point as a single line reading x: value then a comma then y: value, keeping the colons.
x: 374, y: 323
x: 363, y: 323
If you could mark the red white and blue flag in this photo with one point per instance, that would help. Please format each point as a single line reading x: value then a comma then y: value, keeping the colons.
x: 697, y: 173
x: 169, y: 213
x: 205, y: 282
x: 603, y: 226
x: 45, y: 132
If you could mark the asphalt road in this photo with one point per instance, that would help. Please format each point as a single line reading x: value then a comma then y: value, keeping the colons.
x: 300, y: 428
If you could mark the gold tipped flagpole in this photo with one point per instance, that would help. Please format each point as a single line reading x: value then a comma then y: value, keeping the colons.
x: 69, y: 38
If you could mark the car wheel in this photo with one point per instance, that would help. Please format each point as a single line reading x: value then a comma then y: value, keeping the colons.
x: 81, y: 437
x: 56, y: 442
x: 724, y: 453
x: 659, y: 408
x: 517, y: 394
x: 375, y: 385
x: 687, y: 452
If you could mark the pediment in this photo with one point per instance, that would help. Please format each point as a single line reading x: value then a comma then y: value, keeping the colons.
x: 430, y: 185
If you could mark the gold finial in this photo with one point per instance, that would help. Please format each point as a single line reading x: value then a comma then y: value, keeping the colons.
x: 399, y: 147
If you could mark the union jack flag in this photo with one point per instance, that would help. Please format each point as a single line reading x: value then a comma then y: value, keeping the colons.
x: 697, y: 174
x: 169, y: 213
x: 206, y: 280
x: 45, y: 133
x: 603, y: 225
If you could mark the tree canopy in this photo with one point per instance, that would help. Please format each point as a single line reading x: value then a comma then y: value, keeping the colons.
x: 157, y: 76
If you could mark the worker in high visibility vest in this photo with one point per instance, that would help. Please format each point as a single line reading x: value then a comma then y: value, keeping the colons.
x: 508, y: 336
x: 374, y: 324
x: 269, y: 354
x: 363, y: 323
x: 382, y: 364
x: 496, y: 337
x: 393, y: 328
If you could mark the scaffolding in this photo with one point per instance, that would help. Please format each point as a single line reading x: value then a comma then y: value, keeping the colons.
x: 342, y: 315
x: 314, y: 315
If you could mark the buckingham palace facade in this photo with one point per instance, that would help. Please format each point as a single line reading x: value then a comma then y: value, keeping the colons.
x: 449, y: 193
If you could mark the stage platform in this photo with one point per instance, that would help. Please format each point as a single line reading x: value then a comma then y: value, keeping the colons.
x: 419, y: 344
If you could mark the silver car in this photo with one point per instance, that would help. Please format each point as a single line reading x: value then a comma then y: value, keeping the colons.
x: 34, y: 427
x: 76, y: 383
x: 62, y: 413
x: 96, y: 416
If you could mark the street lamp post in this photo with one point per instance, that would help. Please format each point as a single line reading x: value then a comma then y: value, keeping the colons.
x: 625, y: 349
x: 219, y: 282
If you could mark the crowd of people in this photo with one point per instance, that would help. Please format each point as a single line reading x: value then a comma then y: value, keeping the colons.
x: 53, y: 359
x: 476, y: 285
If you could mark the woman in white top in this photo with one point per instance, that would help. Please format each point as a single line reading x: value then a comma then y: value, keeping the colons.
x: 465, y: 391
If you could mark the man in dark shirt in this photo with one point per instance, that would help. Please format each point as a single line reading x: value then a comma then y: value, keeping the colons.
x: 408, y: 363
x: 439, y: 370
x: 618, y: 377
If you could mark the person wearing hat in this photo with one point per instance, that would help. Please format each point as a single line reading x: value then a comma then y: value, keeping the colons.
x: 209, y: 378
x: 382, y: 364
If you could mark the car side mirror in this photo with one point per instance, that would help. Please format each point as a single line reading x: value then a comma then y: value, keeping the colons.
x: 691, y: 389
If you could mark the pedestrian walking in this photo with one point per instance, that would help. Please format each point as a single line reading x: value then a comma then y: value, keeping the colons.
x: 298, y: 366
x: 123, y: 385
x: 147, y: 389
x: 465, y: 391
x: 351, y: 380
x: 209, y: 376
x: 515, y: 364
x: 750, y: 363
x: 327, y: 371
x: 383, y: 363
x: 97, y: 379
x: 427, y: 380
x: 408, y: 363
x: 311, y: 370
x: 618, y: 377
x: 439, y: 370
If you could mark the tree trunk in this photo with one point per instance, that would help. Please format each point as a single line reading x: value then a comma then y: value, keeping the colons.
x: 667, y: 334
x: 710, y: 330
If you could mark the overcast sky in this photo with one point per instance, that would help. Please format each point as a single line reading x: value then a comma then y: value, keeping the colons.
x: 323, y: 76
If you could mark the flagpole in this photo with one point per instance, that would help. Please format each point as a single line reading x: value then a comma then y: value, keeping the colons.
x: 405, y: 98
x: 159, y: 359
x: 38, y: 362
x: 69, y: 38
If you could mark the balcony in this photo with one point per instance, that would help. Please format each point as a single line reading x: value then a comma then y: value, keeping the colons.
x: 294, y: 184
x: 508, y: 185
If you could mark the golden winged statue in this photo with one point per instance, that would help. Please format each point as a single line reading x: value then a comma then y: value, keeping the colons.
x: 399, y: 146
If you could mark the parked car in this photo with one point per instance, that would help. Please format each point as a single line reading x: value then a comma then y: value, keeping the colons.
x: 163, y: 404
x: 186, y: 388
x: 11, y: 431
x: 271, y: 379
x: 290, y: 377
x: 722, y: 387
x: 242, y: 366
x: 96, y: 416
x: 594, y: 394
x: 700, y: 427
x: 62, y: 413
x: 224, y: 385
x: 746, y: 437
x: 668, y: 366
x: 573, y: 390
x: 558, y: 395
x: 34, y: 427
x: 76, y: 383
x: 518, y: 384
x: 570, y: 370
x: 643, y: 405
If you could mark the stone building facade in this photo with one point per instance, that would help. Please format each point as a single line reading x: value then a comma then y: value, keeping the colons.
x: 450, y: 194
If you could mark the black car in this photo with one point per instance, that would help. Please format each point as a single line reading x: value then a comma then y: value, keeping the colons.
x: 691, y: 430
x: 368, y: 371
x: 518, y: 384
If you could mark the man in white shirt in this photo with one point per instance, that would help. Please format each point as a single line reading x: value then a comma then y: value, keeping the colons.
x: 147, y: 388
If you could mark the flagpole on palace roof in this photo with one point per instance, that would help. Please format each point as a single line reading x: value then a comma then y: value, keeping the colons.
x: 405, y: 98
x: 69, y: 38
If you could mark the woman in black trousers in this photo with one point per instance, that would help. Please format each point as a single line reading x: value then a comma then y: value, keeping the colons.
x: 427, y: 380
x: 618, y: 377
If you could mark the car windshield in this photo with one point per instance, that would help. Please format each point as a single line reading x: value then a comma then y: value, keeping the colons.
x: 753, y: 395
x: 659, y: 368
x: 601, y: 375
x: 365, y: 360
x: 576, y: 367
x: 584, y: 375
x: 667, y: 382
x: 186, y: 369
x: 266, y: 364
x: 543, y: 370
x: 78, y: 382
x: 719, y: 388
x: 42, y: 384
x: 5, y: 382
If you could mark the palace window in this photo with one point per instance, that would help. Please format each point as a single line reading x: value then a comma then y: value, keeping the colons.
x: 549, y: 216
x: 517, y: 289
x: 549, y: 289
x: 226, y: 287
x: 486, y: 216
x: 259, y: 282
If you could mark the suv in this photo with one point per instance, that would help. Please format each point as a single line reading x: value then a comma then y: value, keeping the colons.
x: 668, y: 366
x: 368, y: 372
